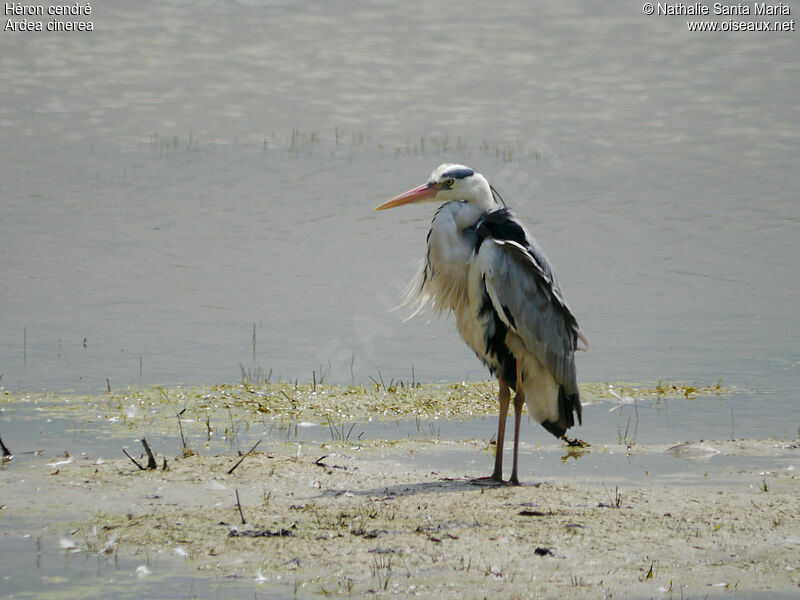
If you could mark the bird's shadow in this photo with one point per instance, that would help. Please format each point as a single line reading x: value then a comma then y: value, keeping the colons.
x: 444, y: 485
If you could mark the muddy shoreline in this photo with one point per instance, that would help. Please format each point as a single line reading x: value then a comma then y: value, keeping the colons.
x: 351, y: 524
x: 347, y: 517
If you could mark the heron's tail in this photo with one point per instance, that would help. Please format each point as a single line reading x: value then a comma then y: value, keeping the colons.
x: 567, y: 405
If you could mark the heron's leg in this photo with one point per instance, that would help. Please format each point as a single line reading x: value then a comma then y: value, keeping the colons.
x: 519, y: 400
x: 504, y: 396
x: 496, y: 477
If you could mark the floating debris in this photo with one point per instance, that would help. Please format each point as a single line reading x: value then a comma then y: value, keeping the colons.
x: 109, y: 546
x: 260, y: 577
x: 696, y: 451
x: 66, y: 543
x: 142, y: 571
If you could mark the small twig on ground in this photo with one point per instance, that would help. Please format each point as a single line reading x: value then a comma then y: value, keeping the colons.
x: 4, y: 448
x: 239, y: 505
x: 319, y: 463
x: 108, y: 385
x: 151, y: 460
x: 133, y: 460
x: 243, y: 457
x: 180, y: 426
x: 262, y: 533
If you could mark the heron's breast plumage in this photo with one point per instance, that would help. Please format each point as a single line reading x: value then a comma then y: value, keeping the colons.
x: 442, y: 280
x: 472, y: 257
x: 453, y: 281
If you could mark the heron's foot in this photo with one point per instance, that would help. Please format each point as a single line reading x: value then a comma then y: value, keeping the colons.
x: 514, y: 480
x: 491, y: 480
x: 575, y: 443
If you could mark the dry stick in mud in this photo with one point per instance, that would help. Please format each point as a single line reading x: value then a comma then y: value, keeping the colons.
x: 133, y: 460
x: 151, y: 460
x: 239, y: 505
x: 180, y: 426
x: 243, y: 457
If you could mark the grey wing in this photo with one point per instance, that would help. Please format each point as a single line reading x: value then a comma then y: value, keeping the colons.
x: 529, y: 302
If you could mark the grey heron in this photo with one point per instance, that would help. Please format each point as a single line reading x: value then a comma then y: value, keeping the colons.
x: 485, y: 267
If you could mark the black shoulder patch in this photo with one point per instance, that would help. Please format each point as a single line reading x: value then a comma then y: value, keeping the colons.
x: 503, y: 225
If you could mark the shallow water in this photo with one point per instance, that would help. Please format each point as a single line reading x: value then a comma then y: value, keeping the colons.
x: 628, y: 444
x: 160, y: 200
x: 53, y: 572
x: 171, y: 209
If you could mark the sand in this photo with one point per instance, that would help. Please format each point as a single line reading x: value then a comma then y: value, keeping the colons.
x: 358, y: 521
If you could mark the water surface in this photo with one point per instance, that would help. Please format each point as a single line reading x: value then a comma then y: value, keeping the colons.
x: 161, y: 199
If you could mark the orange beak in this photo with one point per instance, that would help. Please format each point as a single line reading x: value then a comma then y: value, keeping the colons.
x: 418, y: 194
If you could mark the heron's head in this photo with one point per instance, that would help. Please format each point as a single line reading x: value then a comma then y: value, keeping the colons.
x: 448, y: 183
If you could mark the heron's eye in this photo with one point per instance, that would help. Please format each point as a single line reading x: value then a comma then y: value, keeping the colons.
x: 449, y: 182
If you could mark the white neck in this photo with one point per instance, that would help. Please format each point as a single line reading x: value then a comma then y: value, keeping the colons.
x: 482, y: 192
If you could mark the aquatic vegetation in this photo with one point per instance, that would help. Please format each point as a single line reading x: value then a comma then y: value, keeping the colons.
x: 334, y: 406
x: 626, y: 393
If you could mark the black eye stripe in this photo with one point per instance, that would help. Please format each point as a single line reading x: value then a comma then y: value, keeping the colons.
x: 458, y: 173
